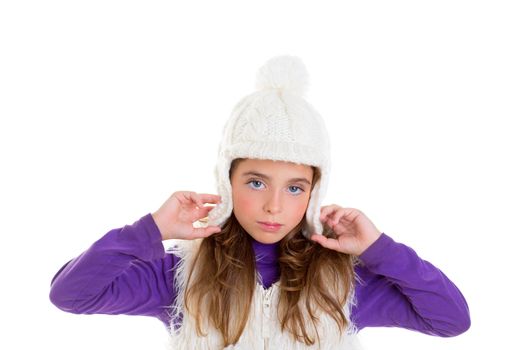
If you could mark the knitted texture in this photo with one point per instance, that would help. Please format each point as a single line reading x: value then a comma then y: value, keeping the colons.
x: 275, y: 123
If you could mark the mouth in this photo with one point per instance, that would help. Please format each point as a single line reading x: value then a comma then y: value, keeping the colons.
x: 269, y: 226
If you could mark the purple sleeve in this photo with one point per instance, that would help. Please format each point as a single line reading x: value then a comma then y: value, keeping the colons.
x: 125, y: 272
x: 399, y: 289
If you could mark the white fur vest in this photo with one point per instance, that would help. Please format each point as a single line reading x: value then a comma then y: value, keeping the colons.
x: 263, y: 329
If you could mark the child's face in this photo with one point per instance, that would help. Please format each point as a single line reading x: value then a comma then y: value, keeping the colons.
x: 273, y: 192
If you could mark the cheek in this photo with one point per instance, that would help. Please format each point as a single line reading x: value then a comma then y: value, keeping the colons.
x: 242, y: 202
x: 299, y: 208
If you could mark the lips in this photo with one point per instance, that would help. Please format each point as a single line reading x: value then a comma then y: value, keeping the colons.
x: 269, y: 226
x: 269, y: 223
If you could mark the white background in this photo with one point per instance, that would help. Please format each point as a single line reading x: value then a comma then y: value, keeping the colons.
x: 107, y: 107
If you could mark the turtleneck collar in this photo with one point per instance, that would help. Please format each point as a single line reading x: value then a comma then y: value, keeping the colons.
x: 266, y: 253
x: 266, y: 256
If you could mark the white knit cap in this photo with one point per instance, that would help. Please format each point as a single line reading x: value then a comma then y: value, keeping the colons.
x: 275, y: 123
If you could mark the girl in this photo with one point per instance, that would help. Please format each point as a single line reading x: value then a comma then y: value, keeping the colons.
x: 265, y: 266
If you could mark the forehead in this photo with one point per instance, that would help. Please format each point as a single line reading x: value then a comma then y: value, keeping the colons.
x: 273, y: 168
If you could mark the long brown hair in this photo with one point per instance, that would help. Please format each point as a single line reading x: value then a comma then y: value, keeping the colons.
x: 313, y: 279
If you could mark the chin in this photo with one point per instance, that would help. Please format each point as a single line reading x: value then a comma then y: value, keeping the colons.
x: 266, y: 238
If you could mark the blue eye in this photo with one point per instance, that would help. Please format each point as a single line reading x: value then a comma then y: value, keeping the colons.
x: 255, y: 184
x: 297, y: 189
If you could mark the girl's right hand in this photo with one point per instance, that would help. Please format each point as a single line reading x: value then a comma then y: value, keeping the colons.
x: 176, y: 216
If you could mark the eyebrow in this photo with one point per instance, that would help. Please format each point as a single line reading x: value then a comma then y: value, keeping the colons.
x: 266, y: 177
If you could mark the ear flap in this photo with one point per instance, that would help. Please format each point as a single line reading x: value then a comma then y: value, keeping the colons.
x: 222, y: 211
x: 313, y: 224
x: 313, y: 212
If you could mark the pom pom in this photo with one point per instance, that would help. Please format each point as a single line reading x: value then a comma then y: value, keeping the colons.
x: 284, y: 73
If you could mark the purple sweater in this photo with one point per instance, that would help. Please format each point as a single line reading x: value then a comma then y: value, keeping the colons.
x: 127, y: 271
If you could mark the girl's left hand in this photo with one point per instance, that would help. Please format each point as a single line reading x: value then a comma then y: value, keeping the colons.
x: 354, y: 231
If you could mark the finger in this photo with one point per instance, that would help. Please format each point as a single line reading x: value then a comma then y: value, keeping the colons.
x: 196, y: 198
x: 201, y: 213
x: 327, y: 211
x: 317, y: 238
x: 329, y: 243
x: 202, y: 232
x: 210, y: 198
x: 339, y: 214
x: 350, y: 216
x: 187, y: 198
x: 329, y: 220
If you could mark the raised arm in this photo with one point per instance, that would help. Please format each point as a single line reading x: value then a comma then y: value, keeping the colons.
x: 399, y: 289
x: 124, y: 272
x: 127, y: 271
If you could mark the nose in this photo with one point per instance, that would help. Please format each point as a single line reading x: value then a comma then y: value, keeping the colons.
x: 273, y: 203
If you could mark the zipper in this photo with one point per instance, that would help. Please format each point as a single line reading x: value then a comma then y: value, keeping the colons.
x: 267, y: 303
